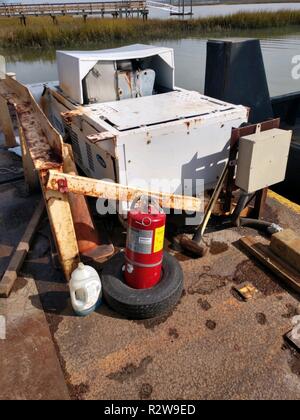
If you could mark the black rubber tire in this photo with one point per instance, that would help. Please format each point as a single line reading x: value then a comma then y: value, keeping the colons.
x: 142, y: 303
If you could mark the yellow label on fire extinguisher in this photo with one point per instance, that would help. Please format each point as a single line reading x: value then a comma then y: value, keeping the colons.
x: 159, y: 239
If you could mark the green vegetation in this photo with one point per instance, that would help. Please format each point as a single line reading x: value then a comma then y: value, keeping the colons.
x: 70, y: 32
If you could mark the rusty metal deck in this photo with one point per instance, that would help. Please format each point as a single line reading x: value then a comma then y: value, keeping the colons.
x: 29, y: 346
x: 211, y: 346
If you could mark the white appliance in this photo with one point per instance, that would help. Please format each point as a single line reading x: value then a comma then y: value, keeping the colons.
x: 172, y: 134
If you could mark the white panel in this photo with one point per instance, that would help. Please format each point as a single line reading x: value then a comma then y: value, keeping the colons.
x: 123, y: 53
x: 194, y: 150
x: 157, y: 109
x: 73, y: 66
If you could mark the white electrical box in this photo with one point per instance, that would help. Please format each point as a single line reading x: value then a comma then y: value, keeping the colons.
x: 262, y: 159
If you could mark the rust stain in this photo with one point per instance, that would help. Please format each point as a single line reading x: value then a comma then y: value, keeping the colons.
x: 62, y: 186
x: 217, y: 247
x: 131, y: 370
x: 98, y: 188
x: 37, y: 142
x: 187, y: 123
x: 69, y: 115
x: 145, y: 391
x: 148, y: 137
x: 204, y: 304
x: 132, y: 353
x: 261, y: 318
x: 128, y: 79
x: 248, y: 272
x: 211, y: 325
x: 206, y: 284
x: 41, y: 152
x: 173, y: 333
x: 105, y: 135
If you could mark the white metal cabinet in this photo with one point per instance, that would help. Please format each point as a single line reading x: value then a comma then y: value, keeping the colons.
x: 178, y: 136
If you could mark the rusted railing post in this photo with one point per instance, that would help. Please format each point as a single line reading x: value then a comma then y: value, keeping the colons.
x: 60, y: 217
x: 30, y: 174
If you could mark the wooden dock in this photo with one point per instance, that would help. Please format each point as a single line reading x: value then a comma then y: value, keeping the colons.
x: 108, y: 8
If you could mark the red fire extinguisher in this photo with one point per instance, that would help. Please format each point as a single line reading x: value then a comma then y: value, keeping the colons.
x: 144, y: 247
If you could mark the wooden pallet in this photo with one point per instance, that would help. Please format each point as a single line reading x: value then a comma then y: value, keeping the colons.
x: 263, y: 253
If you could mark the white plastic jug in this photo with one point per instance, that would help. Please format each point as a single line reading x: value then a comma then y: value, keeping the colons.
x: 85, y: 289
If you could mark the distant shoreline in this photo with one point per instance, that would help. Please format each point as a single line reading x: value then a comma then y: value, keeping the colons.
x: 232, y: 2
x: 68, y: 32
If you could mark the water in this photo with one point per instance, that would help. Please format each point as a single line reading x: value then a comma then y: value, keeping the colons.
x: 206, y: 10
x: 227, y: 9
x: 190, y: 60
x: 190, y: 54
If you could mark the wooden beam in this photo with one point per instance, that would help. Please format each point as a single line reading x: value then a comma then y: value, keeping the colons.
x: 112, y: 191
x: 11, y: 274
x: 262, y: 252
x: 30, y: 174
x: 61, y: 222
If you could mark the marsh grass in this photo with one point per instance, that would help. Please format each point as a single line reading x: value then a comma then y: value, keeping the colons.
x: 40, y: 32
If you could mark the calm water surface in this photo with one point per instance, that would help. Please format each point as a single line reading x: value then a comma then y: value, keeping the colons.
x: 228, y: 9
x: 206, y: 10
x: 190, y: 59
x: 190, y: 54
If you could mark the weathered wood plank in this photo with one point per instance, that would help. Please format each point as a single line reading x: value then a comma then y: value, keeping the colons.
x: 60, y: 217
x: 263, y: 253
x: 286, y: 244
x: 30, y: 173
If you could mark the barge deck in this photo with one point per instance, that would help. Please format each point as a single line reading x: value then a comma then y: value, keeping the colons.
x: 212, y: 345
